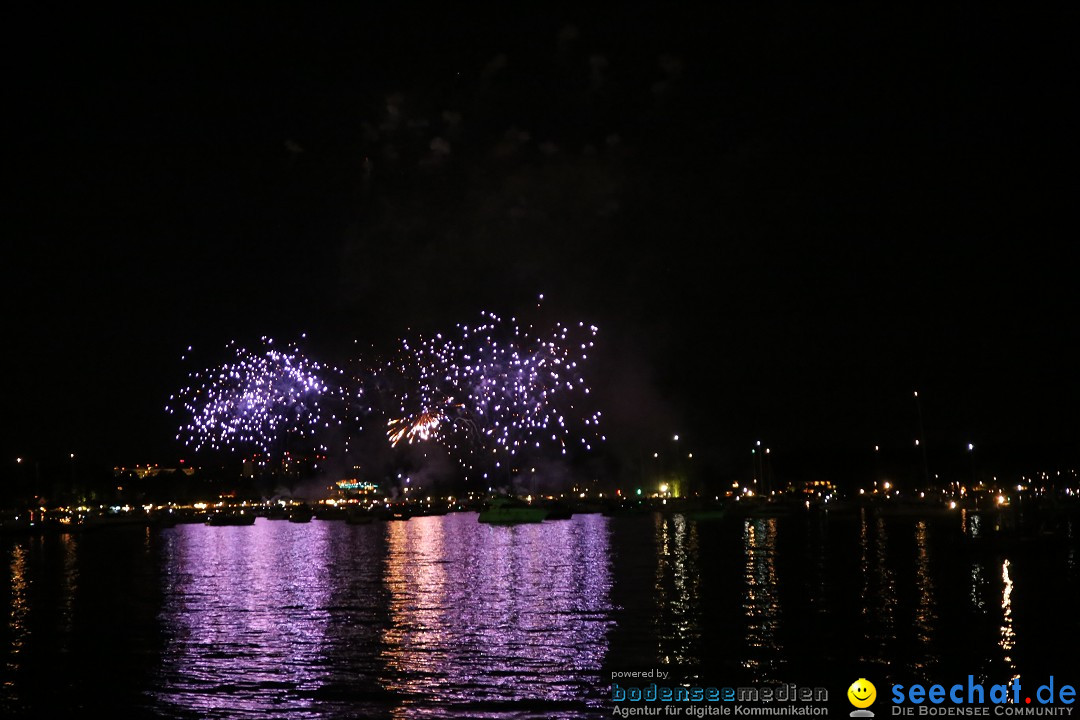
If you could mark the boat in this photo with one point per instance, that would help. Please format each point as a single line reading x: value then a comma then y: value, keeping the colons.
x: 100, y: 520
x: 392, y: 513
x: 763, y: 507
x: 559, y: 511
x: 429, y: 510
x: 705, y: 512
x: 16, y: 523
x: 330, y: 512
x: 277, y: 512
x: 356, y: 516
x: 223, y: 518
x: 511, y: 511
x: 300, y: 514
x: 628, y: 508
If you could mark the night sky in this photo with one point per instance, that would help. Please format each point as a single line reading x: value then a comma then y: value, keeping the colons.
x: 784, y: 220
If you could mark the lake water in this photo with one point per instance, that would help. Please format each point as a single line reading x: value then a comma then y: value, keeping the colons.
x: 447, y: 617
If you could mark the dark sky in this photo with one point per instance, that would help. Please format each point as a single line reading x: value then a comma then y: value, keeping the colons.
x: 783, y: 219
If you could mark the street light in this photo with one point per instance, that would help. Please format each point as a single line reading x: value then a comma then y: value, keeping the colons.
x: 759, y: 466
x: 921, y: 442
x: 753, y: 467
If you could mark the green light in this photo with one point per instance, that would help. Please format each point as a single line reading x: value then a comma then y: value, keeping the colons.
x: 639, y: 491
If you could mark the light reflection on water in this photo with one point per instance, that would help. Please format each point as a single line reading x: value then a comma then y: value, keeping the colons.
x: 879, y: 599
x: 677, y: 591
x: 1071, y: 554
x: 491, y: 619
x: 978, y: 586
x: 1008, y: 634
x: 764, y: 649
x: 17, y: 626
x: 69, y: 588
x: 926, y: 608
x: 445, y: 617
x: 244, y: 612
x: 483, y: 618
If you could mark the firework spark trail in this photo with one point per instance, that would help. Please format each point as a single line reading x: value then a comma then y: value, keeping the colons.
x: 422, y: 428
x: 496, y: 390
x: 257, y: 399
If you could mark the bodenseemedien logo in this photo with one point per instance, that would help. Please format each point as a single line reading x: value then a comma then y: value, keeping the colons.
x: 862, y: 694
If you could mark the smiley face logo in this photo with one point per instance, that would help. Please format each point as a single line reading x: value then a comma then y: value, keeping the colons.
x: 862, y: 693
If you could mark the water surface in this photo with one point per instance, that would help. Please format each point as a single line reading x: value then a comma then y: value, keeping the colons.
x: 446, y: 617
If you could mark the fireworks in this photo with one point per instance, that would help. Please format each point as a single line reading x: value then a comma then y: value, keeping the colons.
x: 422, y: 428
x: 492, y: 394
x: 260, y: 400
x: 495, y: 391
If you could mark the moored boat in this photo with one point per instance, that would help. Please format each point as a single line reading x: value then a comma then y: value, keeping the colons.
x: 225, y: 517
x: 705, y: 513
x: 357, y: 516
x: 300, y: 514
x: 511, y: 511
x: 559, y: 511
